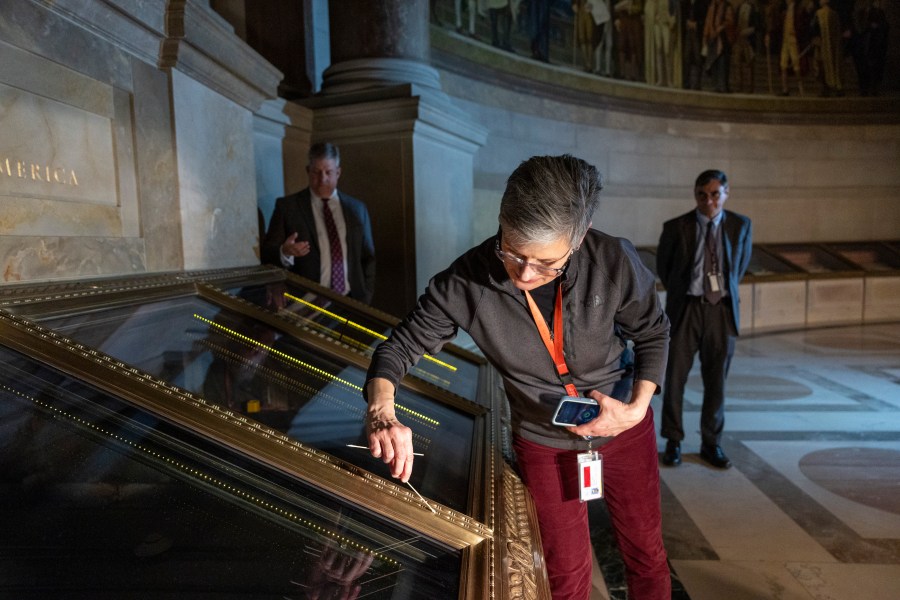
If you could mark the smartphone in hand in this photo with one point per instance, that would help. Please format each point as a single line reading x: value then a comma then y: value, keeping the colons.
x: 573, y: 410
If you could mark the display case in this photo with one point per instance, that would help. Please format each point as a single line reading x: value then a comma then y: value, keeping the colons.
x: 812, y: 259
x: 219, y: 391
x: 763, y: 263
x: 766, y: 264
x: 874, y: 257
x: 793, y: 286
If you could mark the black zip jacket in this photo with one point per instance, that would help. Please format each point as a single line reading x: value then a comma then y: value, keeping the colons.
x: 609, y: 296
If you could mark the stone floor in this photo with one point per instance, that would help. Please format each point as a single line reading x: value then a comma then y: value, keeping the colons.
x: 811, y: 508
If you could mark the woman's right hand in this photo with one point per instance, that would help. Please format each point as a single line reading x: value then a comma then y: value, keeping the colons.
x: 389, y: 439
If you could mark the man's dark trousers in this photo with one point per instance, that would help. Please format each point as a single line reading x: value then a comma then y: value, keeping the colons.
x: 709, y: 329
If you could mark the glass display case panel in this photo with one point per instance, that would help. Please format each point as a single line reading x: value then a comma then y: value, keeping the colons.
x: 871, y: 256
x: 812, y: 259
x: 762, y: 263
x: 103, y: 500
x: 251, y: 368
x: 362, y: 332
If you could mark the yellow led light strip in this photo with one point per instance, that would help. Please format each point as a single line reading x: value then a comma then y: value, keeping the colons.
x: 324, y: 330
x: 374, y: 334
x: 274, y: 377
x: 418, y: 415
x: 320, y: 372
x: 235, y: 491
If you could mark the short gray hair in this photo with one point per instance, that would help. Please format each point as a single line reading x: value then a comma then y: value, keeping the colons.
x: 548, y: 197
x: 324, y: 150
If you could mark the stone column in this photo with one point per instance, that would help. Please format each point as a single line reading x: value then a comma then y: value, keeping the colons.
x: 406, y: 150
x: 376, y: 44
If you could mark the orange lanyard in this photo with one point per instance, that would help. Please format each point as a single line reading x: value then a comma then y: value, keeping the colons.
x: 553, y: 344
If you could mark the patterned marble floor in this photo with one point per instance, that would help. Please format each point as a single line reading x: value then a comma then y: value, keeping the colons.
x: 811, y: 508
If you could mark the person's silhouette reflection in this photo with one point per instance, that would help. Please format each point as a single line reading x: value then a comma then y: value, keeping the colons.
x: 336, y: 572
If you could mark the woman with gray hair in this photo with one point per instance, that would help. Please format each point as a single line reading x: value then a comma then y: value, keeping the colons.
x: 551, y: 302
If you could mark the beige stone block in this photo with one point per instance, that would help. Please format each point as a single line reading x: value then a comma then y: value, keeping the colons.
x: 882, y: 299
x: 779, y: 305
x: 834, y: 301
x: 216, y: 177
x: 745, y: 292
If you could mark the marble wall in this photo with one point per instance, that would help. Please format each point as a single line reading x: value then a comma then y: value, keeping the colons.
x: 126, y: 132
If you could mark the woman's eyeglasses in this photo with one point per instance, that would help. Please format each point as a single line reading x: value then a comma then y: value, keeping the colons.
x: 514, y: 261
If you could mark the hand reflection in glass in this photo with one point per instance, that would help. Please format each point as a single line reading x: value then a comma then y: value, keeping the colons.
x: 334, y: 575
x: 275, y: 296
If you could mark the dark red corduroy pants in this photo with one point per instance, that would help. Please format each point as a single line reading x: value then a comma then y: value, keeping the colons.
x: 631, y: 489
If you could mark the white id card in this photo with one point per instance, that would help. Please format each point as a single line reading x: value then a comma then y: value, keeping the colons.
x: 714, y: 282
x: 590, y: 475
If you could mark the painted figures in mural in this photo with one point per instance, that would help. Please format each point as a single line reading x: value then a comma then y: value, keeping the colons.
x: 744, y: 52
x: 779, y: 47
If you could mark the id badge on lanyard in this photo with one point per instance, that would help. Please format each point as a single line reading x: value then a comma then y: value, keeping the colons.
x: 590, y: 463
x: 590, y: 475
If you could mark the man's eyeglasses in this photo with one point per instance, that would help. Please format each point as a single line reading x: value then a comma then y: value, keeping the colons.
x: 514, y: 261
x: 702, y: 195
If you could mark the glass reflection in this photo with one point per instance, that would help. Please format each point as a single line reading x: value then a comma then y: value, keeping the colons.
x: 251, y: 368
x: 357, y: 330
x: 103, y: 500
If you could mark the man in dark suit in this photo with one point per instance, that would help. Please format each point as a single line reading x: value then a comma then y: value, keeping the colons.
x: 701, y: 258
x: 323, y: 234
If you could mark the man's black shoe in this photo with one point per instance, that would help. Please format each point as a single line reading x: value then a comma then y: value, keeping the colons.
x: 714, y: 456
x: 672, y: 455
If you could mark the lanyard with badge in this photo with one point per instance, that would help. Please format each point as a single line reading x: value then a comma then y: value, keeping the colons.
x: 590, y: 472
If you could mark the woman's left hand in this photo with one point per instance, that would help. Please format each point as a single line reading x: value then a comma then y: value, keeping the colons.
x: 616, y: 416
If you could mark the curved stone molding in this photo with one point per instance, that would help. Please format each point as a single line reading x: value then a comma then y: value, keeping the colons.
x: 367, y: 73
